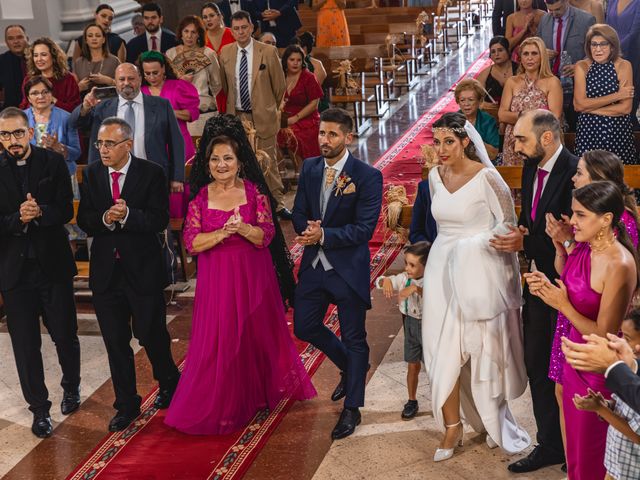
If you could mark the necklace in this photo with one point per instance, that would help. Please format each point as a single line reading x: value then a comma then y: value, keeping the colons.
x: 604, y: 246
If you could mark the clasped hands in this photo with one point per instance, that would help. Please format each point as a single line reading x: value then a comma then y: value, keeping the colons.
x: 270, y: 14
x: 117, y: 212
x: 29, y: 209
x: 599, y: 353
x: 235, y: 225
x: 554, y: 296
x: 406, y: 292
x: 311, y: 235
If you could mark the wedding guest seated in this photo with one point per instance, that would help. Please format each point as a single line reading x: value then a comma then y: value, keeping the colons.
x: 301, y: 107
x: 115, y: 44
x: 594, y: 7
x: 603, y: 97
x: 95, y: 67
x: 521, y: 25
x: 13, y: 65
x: 534, y: 87
x: 159, y: 80
x: 469, y: 95
x: 46, y: 58
x: 269, y: 38
x: 624, y: 17
x: 50, y: 124
x: 197, y: 65
x: 494, y: 77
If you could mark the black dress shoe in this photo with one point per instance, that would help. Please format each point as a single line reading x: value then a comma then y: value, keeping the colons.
x: 534, y: 461
x: 70, y: 402
x: 285, y: 214
x: 122, y: 420
x: 42, y: 427
x: 341, y: 389
x: 564, y: 467
x: 349, y: 419
x: 410, y: 410
x: 163, y: 399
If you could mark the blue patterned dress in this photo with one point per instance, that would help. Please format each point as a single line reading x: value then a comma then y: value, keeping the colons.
x: 603, y: 132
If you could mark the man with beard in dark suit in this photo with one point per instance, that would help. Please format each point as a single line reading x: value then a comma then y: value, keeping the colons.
x: 546, y: 188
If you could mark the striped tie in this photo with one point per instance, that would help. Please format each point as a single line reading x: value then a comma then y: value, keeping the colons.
x: 245, y: 99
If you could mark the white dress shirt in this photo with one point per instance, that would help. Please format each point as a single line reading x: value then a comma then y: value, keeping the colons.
x: 234, y: 7
x: 412, y: 305
x: 123, y: 175
x: 547, y: 168
x: 158, y: 36
x: 138, y: 111
x: 249, y: 49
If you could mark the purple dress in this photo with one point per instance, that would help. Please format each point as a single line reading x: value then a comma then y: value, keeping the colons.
x: 586, y: 432
x: 563, y: 325
x: 241, y: 357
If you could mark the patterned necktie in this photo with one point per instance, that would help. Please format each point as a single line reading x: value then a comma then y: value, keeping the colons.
x: 556, y: 62
x: 154, y: 43
x: 536, y: 199
x: 245, y: 99
x: 115, y: 186
x: 130, y: 117
x: 330, y: 176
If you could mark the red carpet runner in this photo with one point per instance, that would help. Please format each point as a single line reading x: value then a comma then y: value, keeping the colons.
x: 150, y: 450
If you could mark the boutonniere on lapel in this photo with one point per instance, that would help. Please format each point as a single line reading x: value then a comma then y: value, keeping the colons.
x: 262, y: 66
x: 344, y: 186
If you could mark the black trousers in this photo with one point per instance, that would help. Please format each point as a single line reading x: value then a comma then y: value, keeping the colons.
x: 35, y: 296
x: 316, y: 290
x: 539, y: 328
x: 120, y: 310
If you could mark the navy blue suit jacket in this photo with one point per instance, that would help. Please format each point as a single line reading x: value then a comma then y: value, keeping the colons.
x: 423, y: 225
x: 348, y: 223
x: 286, y: 24
x: 163, y: 141
x: 626, y: 384
x: 138, y: 44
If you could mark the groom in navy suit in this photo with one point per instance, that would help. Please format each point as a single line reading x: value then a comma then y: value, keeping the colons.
x: 335, y: 214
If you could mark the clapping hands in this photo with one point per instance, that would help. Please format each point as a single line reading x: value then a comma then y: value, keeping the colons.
x: 540, y: 286
x: 234, y: 223
x: 592, y: 402
x: 311, y: 235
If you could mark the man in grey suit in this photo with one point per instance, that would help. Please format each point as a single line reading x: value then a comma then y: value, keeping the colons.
x: 157, y: 137
x: 563, y: 29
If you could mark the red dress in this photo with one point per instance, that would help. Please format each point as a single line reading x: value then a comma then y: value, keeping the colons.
x: 227, y: 38
x: 305, y: 130
x: 65, y: 91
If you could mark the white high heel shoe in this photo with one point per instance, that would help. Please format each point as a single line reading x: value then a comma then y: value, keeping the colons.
x: 491, y: 442
x: 443, y: 454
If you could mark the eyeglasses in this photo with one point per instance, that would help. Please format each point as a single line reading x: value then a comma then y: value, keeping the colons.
x: 38, y: 93
x: 18, y: 134
x: 108, y: 144
x: 604, y: 44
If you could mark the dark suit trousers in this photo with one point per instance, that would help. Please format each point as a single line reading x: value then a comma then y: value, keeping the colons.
x: 539, y: 328
x: 34, y: 296
x: 316, y: 290
x: 119, y: 310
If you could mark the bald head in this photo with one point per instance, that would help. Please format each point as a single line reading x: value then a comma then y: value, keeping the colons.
x: 537, y: 135
x: 128, y: 81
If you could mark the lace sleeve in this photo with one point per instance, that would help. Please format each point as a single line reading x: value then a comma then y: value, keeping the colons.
x: 499, y: 199
x: 192, y: 223
x: 264, y: 219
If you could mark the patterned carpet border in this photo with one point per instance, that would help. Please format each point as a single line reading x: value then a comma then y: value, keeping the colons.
x: 238, y: 457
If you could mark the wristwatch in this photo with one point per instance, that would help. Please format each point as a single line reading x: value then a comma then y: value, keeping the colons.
x: 568, y: 243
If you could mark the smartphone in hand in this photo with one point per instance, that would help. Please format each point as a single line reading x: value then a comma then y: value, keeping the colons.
x: 102, y: 93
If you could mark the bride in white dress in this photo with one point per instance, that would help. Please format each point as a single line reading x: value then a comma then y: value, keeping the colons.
x: 472, y: 333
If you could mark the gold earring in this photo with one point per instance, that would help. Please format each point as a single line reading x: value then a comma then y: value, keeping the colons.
x: 600, y: 234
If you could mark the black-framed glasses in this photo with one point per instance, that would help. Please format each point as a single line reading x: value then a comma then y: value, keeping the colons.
x: 37, y: 93
x: 108, y: 144
x: 17, y: 134
x: 604, y: 44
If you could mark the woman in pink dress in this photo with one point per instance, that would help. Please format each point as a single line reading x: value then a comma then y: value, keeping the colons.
x: 600, y: 276
x: 301, y: 99
x: 594, y: 166
x: 241, y: 356
x: 521, y: 25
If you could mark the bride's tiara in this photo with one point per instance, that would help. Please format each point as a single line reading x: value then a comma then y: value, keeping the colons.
x: 450, y: 129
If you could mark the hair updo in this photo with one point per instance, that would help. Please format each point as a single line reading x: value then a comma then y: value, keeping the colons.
x: 455, y: 121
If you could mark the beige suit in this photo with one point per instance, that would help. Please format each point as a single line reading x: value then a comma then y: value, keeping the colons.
x: 267, y: 89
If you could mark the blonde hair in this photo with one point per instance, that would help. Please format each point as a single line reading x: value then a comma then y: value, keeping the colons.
x: 609, y: 34
x: 545, y: 68
x: 469, y: 84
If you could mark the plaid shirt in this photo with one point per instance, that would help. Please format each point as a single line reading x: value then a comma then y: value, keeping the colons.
x: 622, y: 456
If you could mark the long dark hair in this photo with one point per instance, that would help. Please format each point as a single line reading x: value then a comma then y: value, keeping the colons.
x: 231, y: 127
x: 455, y: 121
x: 605, y: 197
x: 603, y: 165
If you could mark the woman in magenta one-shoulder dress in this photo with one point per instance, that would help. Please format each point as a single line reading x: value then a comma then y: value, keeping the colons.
x: 241, y: 356
x: 605, y: 248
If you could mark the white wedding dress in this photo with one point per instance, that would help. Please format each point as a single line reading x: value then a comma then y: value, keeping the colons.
x: 472, y: 298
